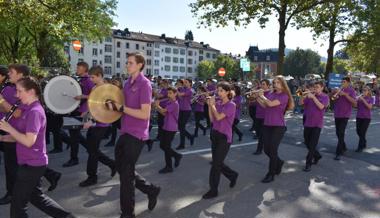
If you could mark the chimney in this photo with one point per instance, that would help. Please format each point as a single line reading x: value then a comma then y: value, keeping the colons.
x: 163, y: 36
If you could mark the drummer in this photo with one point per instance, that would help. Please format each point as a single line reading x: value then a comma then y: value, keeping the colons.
x: 75, y: 136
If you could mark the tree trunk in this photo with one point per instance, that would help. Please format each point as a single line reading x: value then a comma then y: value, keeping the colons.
x: 330, y: 50
x: 42, y: 47
x: 281, y: 41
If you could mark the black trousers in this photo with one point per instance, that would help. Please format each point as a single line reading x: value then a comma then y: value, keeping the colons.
x: 311, y: 140
x: 235, y: 128
x: 362, y: 125
x: 10, y: 165
x: 259, y: 123
x: 198, y: 117
x: 219, y: 149
x: 75, y: 138
x: 54, y: 125
x: 252, y: 114
x: 28, y: 189
x: 340, y: 127
x: 272, y: 136
x: 165, y: 144
x: 127, y: 152
x: 182, y: 121
x: 160, y: 123
x: 112, y: 130
x: 205, y: 109
x: 94, y: 137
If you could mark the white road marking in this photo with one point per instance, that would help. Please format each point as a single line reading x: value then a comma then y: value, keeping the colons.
x: 209, y: 149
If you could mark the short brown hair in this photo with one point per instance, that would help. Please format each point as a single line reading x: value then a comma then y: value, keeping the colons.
x: 96, y: 70
x: 139, y: 59
x: 20, y: 68
x: 83, y: 64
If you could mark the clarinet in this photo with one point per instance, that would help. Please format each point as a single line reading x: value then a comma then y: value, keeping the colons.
x: 9, y: 115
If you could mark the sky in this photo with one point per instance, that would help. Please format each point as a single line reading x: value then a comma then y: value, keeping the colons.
x: 174, y: 17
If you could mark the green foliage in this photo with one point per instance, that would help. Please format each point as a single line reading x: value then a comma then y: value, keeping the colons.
x: 209, y: 69
x: 341, y: 66
x: 206, y: 69
x: 189, y: 35
x: 301, y: 62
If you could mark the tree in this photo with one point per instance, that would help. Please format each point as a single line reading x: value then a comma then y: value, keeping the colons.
x: 341, y: 66
x: 231, y: 66
x: 244, y: 12
x: 206, y: 69
x: 301, y: 62
x: 331, y: 21
x: 189, y: 36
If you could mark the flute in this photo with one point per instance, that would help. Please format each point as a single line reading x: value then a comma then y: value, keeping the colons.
x: 336, y: 95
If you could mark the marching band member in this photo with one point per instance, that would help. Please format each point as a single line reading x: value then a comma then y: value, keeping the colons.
x: 345, y: 99
x: 75, y: 134
x: 170, y: 127
x: 200, y: 102
x: 252, y: 106
x: 274, y: 127
x: 260, y: 115
x: 222, y: 114
x: 162, y: 95
x: 29, y: 133
x: 184, y: 99
x: 315, y: 104
x: 95, y: 133
x: 363, y: 117
x: 237, y: 99
x: 211, y: 89
x: 134, y: 131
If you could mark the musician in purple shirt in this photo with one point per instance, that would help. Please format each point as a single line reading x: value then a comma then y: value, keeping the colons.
x: 237, y: 99
x: 274, y: 128
x: 163, y: 97
x: 315, y: 104
x: 200, y: 102
x: 170, y: 127
x: 184, y: 100
x: 211, y: 90
x: 342, y: 112
x: 95, y: 133
x: 134, y: 131
x: 29, y: 133
x: 222, y: 114
x: 75, y: 134
x: 364, y: 104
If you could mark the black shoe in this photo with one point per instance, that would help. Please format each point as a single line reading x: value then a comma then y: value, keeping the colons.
x: 195, y: 135
x: 180, y: 147
x: 192, y: 140
x: 113, y: 171
x: 307, y: 168
x: 70, y: 163
x: 268, y: 178
x: 359, y: 150
x: 156, y: 139
x: 110, y: 144
x: 149, y: 143
x: 279, y: 168
x: 55, y: 151
x: 337, y: 157
x: 6, y: 199
x: 70, y: 216
x: 257, y: 152
x: 240, y: 137
x: 233, y: 180
x: 152, y: 198
x: 210, y: 194
x: 177, y: 160
x: 165, y: 170
x: 89, y: 181
x: 316, y: 159
x: 54, y: 181
x: 125, y: 216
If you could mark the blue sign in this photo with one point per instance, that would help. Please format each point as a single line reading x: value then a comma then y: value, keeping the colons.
x: 245, y: 64
x: 335, y: 80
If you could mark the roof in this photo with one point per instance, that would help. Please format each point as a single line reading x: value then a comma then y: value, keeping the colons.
x: 262, y: 54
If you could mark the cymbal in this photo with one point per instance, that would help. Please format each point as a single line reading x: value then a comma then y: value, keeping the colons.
x: 97, y: 99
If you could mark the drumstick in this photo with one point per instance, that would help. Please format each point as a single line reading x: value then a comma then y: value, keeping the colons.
x: 65, y: 94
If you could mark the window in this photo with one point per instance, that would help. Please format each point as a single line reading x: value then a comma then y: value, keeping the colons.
x: 107, y: 48
x: 175, y: 68
x: 175, y: 51
x: 148, y: 52
x: 100, y: 63
x: 156, y: 62
x: 182, y: 69
x: 181, y: 60
x: 81, y: 51
x: 200, y: 52
x: 80, y: 60
x: 255, y: 58
x: 137, y: 46
x: 182, y: 51
x: 157, y: 45
x: 156, y: 71
x: 148, y: 62
x: 189, y: 61
x: 157, y: 53
x: 126, y: 55
x: 168, y: 50
x: 108, y: 70
x: 167, y: 59
x: 108, y: 39
x: 149, y: 45
x: 118, y: 54
x: 100, y: 51
x: 213, y: 56
x: 175, y: 60
x: 127, y: 45
x: 268, y: 58
x: 94, y: 52
x: 149, y: 71
x: 118, y: 44
x: 107, y: 59
x: 94, y: 62
x: 190, y: 53
x: 190, y: 70
x: 200, y: 58
x: 167, y: 68
x: 195, y: 53
x: 118, y: 64
x: 207, y: 55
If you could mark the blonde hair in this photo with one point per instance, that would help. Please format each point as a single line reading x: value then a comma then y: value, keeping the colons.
x: 286, y: 89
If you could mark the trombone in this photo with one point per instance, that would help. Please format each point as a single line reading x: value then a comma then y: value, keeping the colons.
x: 196, y: 96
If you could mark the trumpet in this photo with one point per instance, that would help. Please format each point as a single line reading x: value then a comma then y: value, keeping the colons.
x: 254, y: 91
x: 303, y: 93
x: 196, y: 96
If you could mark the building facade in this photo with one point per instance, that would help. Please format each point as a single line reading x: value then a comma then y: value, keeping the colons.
x: 167, y: 57
x: 265, y: 61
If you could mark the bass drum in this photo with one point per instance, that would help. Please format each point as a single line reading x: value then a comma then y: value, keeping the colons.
x: 59, y: 93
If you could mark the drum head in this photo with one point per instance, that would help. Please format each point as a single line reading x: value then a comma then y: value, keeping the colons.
x: 59, y: 94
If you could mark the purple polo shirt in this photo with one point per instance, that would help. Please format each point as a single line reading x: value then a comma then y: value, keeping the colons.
x: 136, y: 93
x: 185, y: 101
x: 314, y: 115
x: 171, y: 116
x: 342, y: 107
x: 9, y: 94
x: 274, y: 116
x: 363, y: 111
x: 260, y: 110
x: 237, y: 100
x: 224, y: 125
x: 32, y: 120
x: 200, y: 103
x: 164, y: 100
x: 86, y: 85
